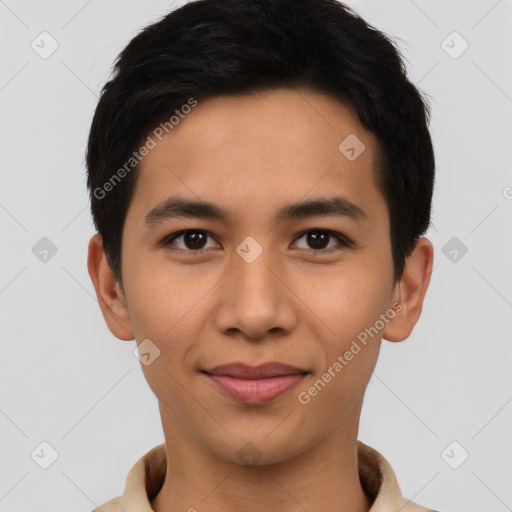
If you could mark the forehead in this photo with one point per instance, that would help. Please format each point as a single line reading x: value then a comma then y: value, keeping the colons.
x: 271, y: 147
x: 276, y: 119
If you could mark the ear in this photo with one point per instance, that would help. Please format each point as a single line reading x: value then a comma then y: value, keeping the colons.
x: 110, y: 296
x: 410, y: 291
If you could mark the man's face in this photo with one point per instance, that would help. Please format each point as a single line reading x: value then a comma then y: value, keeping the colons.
x: 209, y: 297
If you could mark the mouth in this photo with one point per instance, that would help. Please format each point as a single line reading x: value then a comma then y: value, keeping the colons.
x: 255, y: 385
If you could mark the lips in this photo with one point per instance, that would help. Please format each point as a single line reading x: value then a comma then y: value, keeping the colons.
x: 263, y: 371
x: 255, y: 385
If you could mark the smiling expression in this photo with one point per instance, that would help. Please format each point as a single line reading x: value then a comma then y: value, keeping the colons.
x: 251, y: 237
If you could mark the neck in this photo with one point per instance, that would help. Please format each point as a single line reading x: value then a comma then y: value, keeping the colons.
x: 323, y: 477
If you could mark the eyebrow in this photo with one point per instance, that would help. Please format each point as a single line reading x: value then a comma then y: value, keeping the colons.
x: 176, y: 207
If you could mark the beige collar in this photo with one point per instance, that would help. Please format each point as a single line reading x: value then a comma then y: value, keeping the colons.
x: 375, y: 473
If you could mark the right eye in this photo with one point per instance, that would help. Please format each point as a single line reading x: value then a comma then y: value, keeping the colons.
x: 192, y: 240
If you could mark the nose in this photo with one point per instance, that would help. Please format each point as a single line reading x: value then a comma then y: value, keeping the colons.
x: 256, y: 299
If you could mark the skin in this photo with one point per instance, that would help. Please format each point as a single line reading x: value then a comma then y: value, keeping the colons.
x: 296, y: 303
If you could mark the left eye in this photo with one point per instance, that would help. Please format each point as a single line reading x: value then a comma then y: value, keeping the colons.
x: 320, y: 238
x: 196, y: 240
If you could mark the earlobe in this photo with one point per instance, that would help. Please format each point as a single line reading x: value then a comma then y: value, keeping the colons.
x: 410, y: 291
x: 108, y: 291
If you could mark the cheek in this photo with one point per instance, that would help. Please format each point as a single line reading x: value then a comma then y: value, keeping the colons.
x: 166, y: 311
x: 347, y: 299
x: 348, y: 302
x: 167, y: 306
x: 160, y: 295
x: 349, y: 305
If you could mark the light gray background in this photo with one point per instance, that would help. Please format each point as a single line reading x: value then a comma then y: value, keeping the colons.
x: 67, y: 381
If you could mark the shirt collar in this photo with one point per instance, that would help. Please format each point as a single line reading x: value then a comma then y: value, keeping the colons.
x: 375, y: 473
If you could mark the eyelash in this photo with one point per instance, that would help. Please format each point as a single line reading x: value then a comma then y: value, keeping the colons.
x: 344, y: 241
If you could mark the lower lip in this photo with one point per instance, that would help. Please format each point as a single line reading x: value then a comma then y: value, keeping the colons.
x: 256, y: 391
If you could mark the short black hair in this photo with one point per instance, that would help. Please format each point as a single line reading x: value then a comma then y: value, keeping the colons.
x: 211, y: 48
